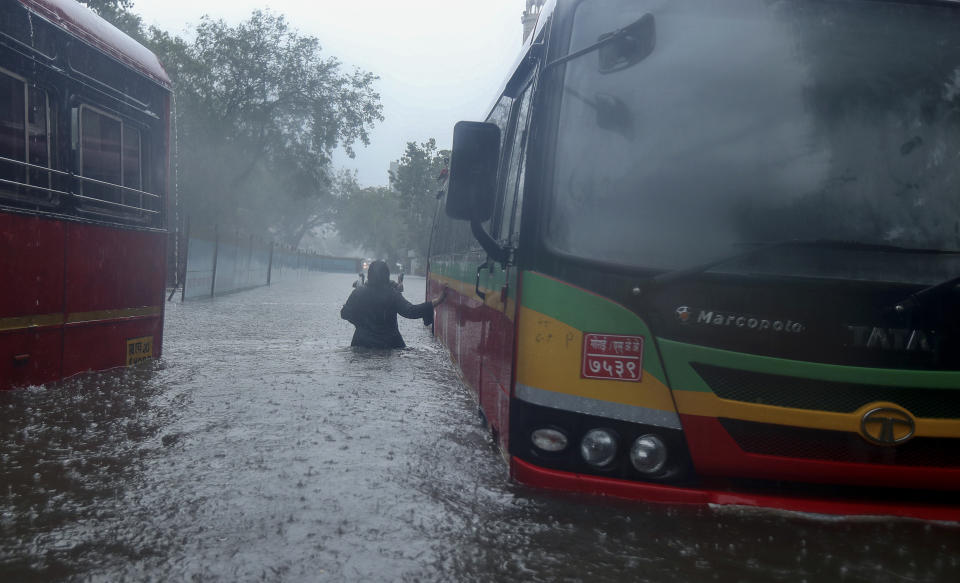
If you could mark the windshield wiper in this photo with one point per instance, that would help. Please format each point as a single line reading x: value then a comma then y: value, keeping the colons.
x: 927, y: 294
x: 675, y: 276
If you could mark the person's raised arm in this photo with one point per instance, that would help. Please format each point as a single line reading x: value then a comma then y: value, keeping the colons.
x: 408, y: 310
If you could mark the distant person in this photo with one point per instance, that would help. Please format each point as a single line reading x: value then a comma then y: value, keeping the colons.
x: 373, y: 309
x: 359, y: 281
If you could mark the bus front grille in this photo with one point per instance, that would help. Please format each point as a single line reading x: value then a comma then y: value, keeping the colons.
x: 839, y: 446
x: 819, y: 395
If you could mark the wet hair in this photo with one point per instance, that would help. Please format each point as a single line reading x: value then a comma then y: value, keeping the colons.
x: 378, y: 273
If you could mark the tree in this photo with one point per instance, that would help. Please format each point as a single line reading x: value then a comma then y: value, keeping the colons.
x: 259, y: 113
x: 417, y: 182
x: 303, y: 214
x: 370, y: 217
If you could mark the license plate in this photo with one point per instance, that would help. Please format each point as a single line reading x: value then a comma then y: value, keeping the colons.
x: 139, y: 349
x: 612, y: 357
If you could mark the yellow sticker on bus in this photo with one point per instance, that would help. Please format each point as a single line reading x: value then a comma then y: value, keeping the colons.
x: 139, y: 349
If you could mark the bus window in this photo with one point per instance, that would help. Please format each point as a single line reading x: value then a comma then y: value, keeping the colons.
x: 12, y: 146
x: 131, y: 157
x: 501, y: 117
x: 38, y: 142
x: 450, y: 237
x: 132, y: 176
x: 513, y: 187
x: 113, y: 152
x: 24, y: 139
x: 100, y: 154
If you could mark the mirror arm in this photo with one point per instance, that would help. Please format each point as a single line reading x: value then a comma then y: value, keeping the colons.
x: 589, y: 49
x: 620, y: 32
x: 579, y: 53
x: 493, y: 249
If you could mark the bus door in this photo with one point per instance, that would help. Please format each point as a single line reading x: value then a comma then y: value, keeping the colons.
x: 499, y: 280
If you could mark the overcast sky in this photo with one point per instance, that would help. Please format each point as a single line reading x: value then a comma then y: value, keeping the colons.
x: 439, y: 61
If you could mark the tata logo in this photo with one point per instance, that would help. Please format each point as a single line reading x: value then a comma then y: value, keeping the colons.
x: 893, y: 339
x: 683, y: 314
x: 887, y: 426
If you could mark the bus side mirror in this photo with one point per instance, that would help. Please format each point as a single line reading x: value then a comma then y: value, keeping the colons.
x: 473, y: 171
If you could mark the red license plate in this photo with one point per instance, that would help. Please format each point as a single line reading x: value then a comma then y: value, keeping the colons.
x: 612, y: 357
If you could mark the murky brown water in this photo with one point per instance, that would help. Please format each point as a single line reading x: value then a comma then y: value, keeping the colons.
x: 263, y: 448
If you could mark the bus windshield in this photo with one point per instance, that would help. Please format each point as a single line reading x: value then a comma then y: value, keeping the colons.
x: 756, y: 121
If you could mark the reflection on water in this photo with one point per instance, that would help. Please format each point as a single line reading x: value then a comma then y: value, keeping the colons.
x: 263, y: 447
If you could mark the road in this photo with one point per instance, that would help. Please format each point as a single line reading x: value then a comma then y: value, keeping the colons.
x: 262, y: 447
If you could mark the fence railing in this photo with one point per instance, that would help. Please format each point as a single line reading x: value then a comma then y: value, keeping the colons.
x: 223, y: 261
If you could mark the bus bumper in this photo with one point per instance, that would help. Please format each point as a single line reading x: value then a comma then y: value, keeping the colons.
x: 538, y: 477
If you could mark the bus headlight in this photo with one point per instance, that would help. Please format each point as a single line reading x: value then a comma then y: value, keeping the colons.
x: 598, y: 447
x: 648, y: 454
x: 550, y: 440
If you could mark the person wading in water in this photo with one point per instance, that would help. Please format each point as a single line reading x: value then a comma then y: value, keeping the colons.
x: 373, y: 309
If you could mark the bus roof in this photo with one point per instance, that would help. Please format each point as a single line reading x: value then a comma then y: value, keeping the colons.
x: 86, y: 25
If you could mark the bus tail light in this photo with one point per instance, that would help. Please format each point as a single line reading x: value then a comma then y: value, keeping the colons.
x: 648, y: 454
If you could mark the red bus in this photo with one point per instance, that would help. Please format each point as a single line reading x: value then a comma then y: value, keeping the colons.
x: 707, y: 251
x: 84, y: 146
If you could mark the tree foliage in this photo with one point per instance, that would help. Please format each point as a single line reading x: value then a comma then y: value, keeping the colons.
x: 305, y: 214
x: 417, y: 182
x: 391, y: 222
x: 370, y: 217
x: 260, y: 111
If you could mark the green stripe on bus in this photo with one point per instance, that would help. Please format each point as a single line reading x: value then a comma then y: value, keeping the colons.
x: 679, y: 355
x: 466, y: 273
x: 456, y: 270
x: 578, y: 308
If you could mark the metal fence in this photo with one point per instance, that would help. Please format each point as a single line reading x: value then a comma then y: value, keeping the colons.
x: 220, y: 262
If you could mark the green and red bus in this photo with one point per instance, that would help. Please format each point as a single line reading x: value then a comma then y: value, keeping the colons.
x: 84, y: 148
x: 706, y: 251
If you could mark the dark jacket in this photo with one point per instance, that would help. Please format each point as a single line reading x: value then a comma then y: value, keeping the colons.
x: 373, y: 310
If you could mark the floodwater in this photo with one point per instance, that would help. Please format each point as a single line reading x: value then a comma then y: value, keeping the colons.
x: 262, y: 447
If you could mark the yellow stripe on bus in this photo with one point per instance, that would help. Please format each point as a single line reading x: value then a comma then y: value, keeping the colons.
x: 549, y: 357
x: 48, y: 320
x: 709, y: 405
x: 141, y: 312
x: 25, y: 322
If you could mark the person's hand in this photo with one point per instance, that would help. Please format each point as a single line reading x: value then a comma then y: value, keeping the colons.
x: 440, y: 298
